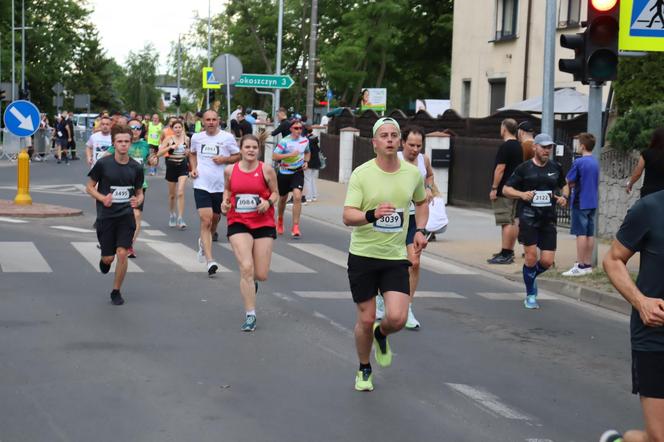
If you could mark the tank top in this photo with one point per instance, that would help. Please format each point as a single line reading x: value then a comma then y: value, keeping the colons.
x: 154, y: 133
x: 421, y: 166
x: 246, y: 190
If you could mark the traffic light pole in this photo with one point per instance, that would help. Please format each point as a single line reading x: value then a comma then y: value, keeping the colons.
x: 595, y: 128
x: 549, y: 67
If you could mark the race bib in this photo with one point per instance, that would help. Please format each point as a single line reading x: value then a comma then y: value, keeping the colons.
x: 390, y: 223
x: 209, y: 150
x: 246, y: 202
x: 121, y: 194
x: 139, y: 160
x: 154, y: 136
x: 542, y: 198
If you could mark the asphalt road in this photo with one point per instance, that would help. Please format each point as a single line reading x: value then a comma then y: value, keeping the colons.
x: 173, y: 365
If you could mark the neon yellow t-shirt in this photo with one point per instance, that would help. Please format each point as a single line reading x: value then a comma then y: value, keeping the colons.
x: 370, y: 186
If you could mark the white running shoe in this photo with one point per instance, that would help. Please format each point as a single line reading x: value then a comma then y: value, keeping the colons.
x: 201, y: 253
x: 172, y: 220
x: 212, y: 268
x: 578, y: 271
x: 412, y: 323
x: 380, y: 307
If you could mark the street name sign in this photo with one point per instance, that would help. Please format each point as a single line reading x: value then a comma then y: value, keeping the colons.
x: 642, y: 25
x: 22, y: 118
x: 265, y: 81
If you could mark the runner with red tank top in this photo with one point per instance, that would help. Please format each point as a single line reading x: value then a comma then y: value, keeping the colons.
x: 249, y: 198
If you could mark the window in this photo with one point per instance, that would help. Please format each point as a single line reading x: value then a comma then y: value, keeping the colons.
x: 569, y: 13
x: 506, y: 14
x: 167, y: 96
x: 465, y: 99
x: 496, y: 94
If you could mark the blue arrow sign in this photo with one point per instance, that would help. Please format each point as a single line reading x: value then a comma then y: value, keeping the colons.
x: 22, y: 118
x: 329, y: 94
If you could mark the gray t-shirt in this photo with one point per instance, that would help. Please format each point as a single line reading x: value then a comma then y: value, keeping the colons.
x: 643, y: 231
x: 122, y: 180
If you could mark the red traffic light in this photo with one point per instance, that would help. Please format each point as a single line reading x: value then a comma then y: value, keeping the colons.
x: 323, y: 103
x: 603, y: 5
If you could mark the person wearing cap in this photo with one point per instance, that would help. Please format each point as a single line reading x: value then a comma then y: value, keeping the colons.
x: 539, y: 185
x: 376, y: 205
x: 508, y: 157
x: 525, y: 136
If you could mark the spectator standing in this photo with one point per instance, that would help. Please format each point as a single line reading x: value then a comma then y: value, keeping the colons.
x: 71, y: 146
x: 283, y: 128
x: 509, y: 156
x: 583, y: 179
x: 61, y: 138
x: 310, y: 190
x: 526, y: 138
x: 652, y: 162
x: 244, y: 125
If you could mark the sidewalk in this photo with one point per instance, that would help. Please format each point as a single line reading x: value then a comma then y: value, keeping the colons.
x: 472, y: 237
x: 36, y: 210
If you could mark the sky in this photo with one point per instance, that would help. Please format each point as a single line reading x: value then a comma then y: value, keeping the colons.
x: 129, y: 24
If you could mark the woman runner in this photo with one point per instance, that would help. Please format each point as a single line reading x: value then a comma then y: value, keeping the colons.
x: 176, y: 149
x: 249, y: 198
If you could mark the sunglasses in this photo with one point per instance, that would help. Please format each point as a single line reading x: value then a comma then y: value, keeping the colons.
x: 296, y: 127
x: 135, y: 127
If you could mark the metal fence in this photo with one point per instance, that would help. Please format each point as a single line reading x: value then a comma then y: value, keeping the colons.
x: 329, y: 146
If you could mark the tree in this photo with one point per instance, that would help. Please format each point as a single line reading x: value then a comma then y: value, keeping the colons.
x: 640, y: 81
x: 139, y: 89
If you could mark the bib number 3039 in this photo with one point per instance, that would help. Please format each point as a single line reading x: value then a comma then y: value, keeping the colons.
x: 121, y: 194
x: 245, y: 202
x: 390, y: 223
x: 542, y: 198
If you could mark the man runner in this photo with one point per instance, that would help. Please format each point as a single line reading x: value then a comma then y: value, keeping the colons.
x: 116, y: 182
x: 537, y: 184
x: 99, y: 142
x: 379, y: 193
x: 293, y: 155
x: 210, y: 151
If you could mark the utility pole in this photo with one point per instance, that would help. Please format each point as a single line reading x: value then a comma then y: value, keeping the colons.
x: 311, y: 77
x: 13, y: 54
x: 209, y: 52
x: 595, y: 128
x: 549, y: 67
x: 23, y: 46
x: 277, y: 93
x: 179, y: 72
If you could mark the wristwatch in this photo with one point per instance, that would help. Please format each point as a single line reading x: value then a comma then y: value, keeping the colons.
x: 422, y: 231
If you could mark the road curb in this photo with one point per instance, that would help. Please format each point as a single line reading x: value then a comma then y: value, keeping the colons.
x: 36, y: 210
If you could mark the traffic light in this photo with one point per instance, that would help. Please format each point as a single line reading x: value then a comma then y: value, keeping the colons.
x: 177, y: 99
x: 602, y: 40
x: 577, y: 65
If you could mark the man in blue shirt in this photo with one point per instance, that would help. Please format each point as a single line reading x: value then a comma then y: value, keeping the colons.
x: 583, y: 179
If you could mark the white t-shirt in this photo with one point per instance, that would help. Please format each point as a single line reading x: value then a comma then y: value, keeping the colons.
x: 99, y: 144
x: 205, y: 147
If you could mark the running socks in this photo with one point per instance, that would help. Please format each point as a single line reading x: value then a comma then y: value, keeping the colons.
x: 529, y: 275
x: 381, y: 339
x: 251, y: 313
x: 507, y: 252
x: 365, y: 367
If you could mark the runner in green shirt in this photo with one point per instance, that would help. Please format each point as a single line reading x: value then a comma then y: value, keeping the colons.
x: 139, y: 151
x: 379, y: 193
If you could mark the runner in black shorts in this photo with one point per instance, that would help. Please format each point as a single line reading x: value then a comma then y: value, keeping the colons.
x: 537, y: 184
x: 116, y: 182
x: 176, y: 149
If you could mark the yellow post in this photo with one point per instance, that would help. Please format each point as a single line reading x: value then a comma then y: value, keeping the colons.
x: 23, y: 180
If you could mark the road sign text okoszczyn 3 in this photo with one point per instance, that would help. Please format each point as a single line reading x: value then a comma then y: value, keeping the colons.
x: 265, y: 81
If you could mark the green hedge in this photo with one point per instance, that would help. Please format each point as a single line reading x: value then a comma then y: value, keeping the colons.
x: 634, y: 129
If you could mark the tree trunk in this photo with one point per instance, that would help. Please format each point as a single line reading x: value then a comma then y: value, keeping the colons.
x: 383, y: 66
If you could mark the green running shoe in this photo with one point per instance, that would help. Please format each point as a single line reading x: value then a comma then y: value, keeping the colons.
x: 364, y: 380
x: 383, y: 355
x: 249, y: 323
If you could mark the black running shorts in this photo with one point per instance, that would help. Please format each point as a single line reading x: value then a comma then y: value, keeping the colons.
x: 260, y: 232
x: 542, y: 234
x: 286, y: 183
x: 647, y: 370
x: 368, y: 275
x: 175, y: 170
x: 115, y: 232
x: 206, y: 199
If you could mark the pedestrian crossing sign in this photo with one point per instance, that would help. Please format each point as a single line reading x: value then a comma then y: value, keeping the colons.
x: 209, y: 82
x: 642, y: 25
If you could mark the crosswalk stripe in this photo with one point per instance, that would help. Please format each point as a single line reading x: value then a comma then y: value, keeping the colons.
x: 280, y: 264
x: 91, y: 253
x: 324, y: 252
x: 22, y: 257
x: 181, y: 255
x: 12, y: 220
x: 144, y: 223
x: 153, y: 232
x: 510, y: 296
x: 489, y: 402
x: 347, y: 295
x: 73, y: 229
x: 443, y: 268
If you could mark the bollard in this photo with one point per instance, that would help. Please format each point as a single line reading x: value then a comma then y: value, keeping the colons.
x: 23, y: 180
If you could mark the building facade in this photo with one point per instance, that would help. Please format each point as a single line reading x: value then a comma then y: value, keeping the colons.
x: 498, y: 52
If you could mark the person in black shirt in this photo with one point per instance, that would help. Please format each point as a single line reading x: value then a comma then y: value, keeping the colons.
x: 643, y: 231
x: 116, y: 182
x: 244, y: 125
x: 537, y: 184
x: 652, y: 161
x: 509, y: 156
x: 284, y: 124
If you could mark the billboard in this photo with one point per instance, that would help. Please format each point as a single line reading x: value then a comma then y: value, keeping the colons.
x: 373, y: 98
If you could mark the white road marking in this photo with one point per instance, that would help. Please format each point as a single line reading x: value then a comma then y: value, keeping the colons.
x: 92, y: 254
x: 511, y: 296
x: 283, y: 297
x: 322, y: 251
x: 181, y: 255
x: 153, y: 232
x: 334, y: 324
x: 73, y: 229
x: 22, y: 257
x: 489, y: 402
x: 442, y: 267
x: 347, y: 295
x: 12, y: 220
x: 144, y: 223
x: 280, y: 264
x: 441, y: 295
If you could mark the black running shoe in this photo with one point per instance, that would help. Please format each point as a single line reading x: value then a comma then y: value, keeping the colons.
x: 501, y: 259
x: 104, y: 268
x: 116, y: 298
x: 215, y: 237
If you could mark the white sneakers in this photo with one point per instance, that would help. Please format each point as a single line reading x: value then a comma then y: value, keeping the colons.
x: 411, y: 323
x: 578, y: 271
